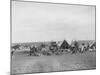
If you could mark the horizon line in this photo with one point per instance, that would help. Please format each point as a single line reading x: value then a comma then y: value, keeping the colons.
x: 53, y: 40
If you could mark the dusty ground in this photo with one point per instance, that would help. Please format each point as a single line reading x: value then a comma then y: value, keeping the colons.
x: 22, y: 63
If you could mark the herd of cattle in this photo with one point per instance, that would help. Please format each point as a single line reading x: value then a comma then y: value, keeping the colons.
x: 54, y: 49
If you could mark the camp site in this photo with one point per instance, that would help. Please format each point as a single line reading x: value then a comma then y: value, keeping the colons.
x: 53, y: 56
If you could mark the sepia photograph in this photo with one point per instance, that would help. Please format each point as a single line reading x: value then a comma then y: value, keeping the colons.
x: 52, y: 37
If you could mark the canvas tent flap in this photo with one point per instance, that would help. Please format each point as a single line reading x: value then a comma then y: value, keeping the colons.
x: 64, y: 45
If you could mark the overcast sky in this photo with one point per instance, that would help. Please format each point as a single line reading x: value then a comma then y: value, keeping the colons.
x: 45, y: 22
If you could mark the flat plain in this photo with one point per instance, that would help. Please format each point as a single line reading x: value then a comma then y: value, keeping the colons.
x: 22, y: 63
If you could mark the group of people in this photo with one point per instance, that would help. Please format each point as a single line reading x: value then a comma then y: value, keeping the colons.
x: 55, y: 49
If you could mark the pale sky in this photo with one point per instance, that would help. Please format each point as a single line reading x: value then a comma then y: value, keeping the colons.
x: 33, y: 22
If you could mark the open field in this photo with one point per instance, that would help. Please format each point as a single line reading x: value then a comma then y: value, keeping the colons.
x: 22, y: 63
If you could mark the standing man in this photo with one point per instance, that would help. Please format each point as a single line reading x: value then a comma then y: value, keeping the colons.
x: 83, y: 47
x: 32, y: 50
